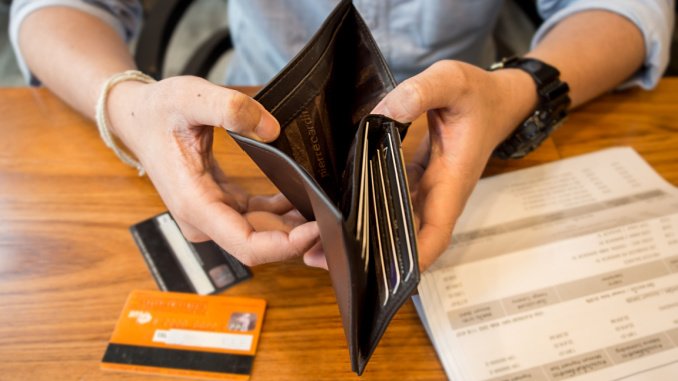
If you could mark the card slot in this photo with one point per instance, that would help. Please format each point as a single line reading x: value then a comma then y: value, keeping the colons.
x: 362, y: 199
x: 391, y: 253
x: 377, y: 244
x: 354, y: 178
x: 362, y: 230
x: 365, y: 235
x: 381, y: 314
x: 399, y: 190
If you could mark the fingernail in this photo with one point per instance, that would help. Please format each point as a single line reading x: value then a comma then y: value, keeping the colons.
x: 267, y: 129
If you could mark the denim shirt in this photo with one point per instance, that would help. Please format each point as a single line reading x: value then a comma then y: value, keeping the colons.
x: 412, y: 34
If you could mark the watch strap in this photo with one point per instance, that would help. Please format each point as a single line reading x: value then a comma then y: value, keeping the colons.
x: 551, y: 109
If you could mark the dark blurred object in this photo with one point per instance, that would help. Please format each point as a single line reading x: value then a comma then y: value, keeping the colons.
x: 529, y: 8
x: 517, y: 22
x: 160, y: 22
x: 672, y: 70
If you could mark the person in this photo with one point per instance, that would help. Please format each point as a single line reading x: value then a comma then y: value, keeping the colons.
x: 436, y: 48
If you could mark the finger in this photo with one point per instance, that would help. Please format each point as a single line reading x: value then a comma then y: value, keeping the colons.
x: 423, y: 92
x: 418, y: 164
x: 213, y: 105
x: 262, y: 221
x: 294, y: 218
x: 235, y: 234
x: 315, y: 257
x: 201, y: 204
x: 440, y: 203
x: 276, y: 203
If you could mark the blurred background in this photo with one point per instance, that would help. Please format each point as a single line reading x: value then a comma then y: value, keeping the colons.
x: 9, y: 72
x: 204, y: 17
x: 201, y: 19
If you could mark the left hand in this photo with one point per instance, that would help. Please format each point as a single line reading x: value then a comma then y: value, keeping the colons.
x: 470, y: 111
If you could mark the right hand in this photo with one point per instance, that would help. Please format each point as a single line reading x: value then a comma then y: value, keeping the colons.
x: 469, y: 112
x: 168, y: 126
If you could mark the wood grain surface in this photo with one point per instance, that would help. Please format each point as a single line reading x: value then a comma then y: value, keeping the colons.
x: 68, y: 262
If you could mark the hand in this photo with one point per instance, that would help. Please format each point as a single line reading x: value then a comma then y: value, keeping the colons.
x: 469, y: 111
x: 168, y: 126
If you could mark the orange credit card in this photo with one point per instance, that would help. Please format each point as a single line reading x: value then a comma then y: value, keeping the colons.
x: 180, y: 334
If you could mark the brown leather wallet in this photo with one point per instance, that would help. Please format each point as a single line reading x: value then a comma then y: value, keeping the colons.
x: 343, y: 167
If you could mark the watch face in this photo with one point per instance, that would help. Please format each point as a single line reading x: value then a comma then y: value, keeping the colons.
x: 532, y: 65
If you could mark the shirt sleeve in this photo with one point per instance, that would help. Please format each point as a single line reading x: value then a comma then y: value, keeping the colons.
x: 654, y: 18
x: 123, y: 15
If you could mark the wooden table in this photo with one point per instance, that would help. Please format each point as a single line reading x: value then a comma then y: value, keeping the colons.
x: 68, y: 262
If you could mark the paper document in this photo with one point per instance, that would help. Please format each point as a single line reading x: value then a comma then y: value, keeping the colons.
x: 566, y: 271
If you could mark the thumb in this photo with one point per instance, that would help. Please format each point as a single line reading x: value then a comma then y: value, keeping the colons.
x: 423, y: 92
x: 213, y: 105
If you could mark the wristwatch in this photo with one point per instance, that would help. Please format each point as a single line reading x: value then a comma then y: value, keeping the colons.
x: 550, y: 113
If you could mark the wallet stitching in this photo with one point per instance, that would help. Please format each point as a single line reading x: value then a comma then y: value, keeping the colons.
x: 374, y: 47
x: 285, y: 75
x: 308, y: 100
x: 322, y: 84
x: 284, y: 101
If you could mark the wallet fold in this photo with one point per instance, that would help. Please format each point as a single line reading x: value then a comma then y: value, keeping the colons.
x: 343, y: 167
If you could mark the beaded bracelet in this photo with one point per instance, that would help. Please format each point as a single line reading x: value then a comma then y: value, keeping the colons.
x: 103, y: 121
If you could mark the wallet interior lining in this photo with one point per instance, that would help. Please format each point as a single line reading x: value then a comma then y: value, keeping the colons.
x: 336, y: 87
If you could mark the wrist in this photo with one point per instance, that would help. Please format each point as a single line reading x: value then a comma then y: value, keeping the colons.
x: 104, y: 119
x: 549, y: 112
x: 121, y: 106
x: 518, y: 98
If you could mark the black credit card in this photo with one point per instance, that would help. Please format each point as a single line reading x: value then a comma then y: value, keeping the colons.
x: 182, y: 266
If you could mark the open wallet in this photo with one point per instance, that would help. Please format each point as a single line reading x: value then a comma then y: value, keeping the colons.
x: 344, y: 168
